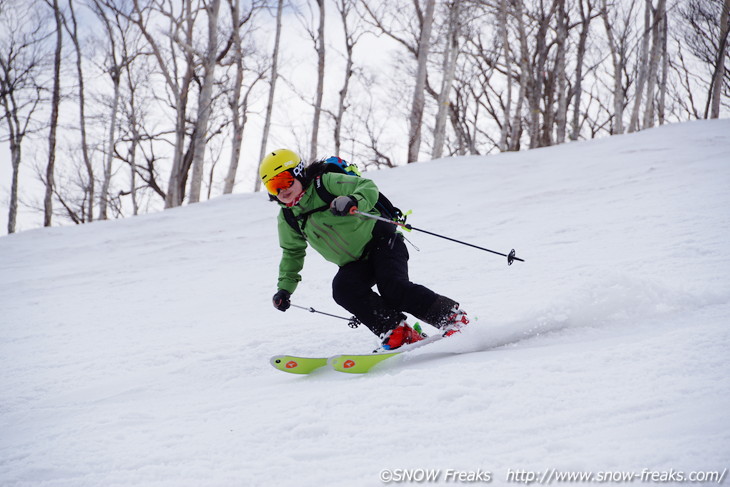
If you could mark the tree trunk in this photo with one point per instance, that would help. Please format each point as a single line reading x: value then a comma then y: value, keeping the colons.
x: 617, y: 60
x: 111, y: 142
x: 115, y: 73
x: 272, y: 87
x: 585, y: 17
x: 535, y: 93
x: 661, y: 108
x: 719, y: 74
x: 654, y: 58
x: 135, y: 142
x: 204, y: 102
x: 234, y: 100
x: 344, y: 7
x: 19, y: 94
x: 642, y: 64
x: 133, y: 174
x: 15, y: 158
x: 180, y: 91
x: 561, y: 115
x: 15, y: 138
x: 419, y: 100
x: 320, y: 83
x: 82, y: 115
x: 504, y: 35
x: 451, y: 54
x: 134, y: 127
x: 55, y: 102
x: 524, y: 79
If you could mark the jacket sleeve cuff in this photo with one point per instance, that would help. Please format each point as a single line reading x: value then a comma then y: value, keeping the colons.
x: 287, y: 285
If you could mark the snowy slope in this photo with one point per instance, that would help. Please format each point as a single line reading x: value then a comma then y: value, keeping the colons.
x: 136, y: 352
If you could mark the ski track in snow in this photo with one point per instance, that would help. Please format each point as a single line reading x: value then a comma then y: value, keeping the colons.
x: 136, y: 352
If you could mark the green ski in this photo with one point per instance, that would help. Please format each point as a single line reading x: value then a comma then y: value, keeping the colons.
x: 361, y: 364
x: 297, y: 365
x: 349, y: 363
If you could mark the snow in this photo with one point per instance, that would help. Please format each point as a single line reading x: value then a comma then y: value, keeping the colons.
x: 135, y: 352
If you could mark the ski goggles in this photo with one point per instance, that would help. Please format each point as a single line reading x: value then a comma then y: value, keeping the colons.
x: 280, y: 182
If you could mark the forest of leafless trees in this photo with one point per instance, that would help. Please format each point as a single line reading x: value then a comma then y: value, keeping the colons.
x: 120, y: 107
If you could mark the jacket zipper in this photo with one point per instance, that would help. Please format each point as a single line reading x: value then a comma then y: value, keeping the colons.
x: 332, y: 241
x: 335, y: 233
x: 326, y: 242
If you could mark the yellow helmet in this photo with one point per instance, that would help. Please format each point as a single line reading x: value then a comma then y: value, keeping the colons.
x: 277, y: 162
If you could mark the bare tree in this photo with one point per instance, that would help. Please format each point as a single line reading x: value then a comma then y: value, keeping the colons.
x: 134, y: 111
x: 234, y: 97
x: 618, y: 45
x: 415, y: 120
x: 320, y: 48
x: 314, y: 27
x: 180, y: 80
x: 272, y: 88
x: 389, y: 19
x: 658, y: 17
x: 55, y: 103
x: 465, y: 115
x: 524, y: 78
x: 22, y: 58
x: 586, y: 16
x: 113, y: 66
x: 503, y: 20
x: 238, y: 101
x: 73, y: 31
x: 451, y: 52
x: 707, y: 40
x: 719, y: 72
x: 664, y: 80
x: 477, y: 91
x: 133, y: 123
x: 376, y: 151
x: 642, y: 65
x: 204, y: 101
x: 561, y: 111
x: 177, y: 66
x: 685, y: 81
x: 536, y: 85
x: 352, y: 34
x: 124, y: 115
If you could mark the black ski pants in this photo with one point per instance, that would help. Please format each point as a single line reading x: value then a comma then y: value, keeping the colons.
x: 386, y: 266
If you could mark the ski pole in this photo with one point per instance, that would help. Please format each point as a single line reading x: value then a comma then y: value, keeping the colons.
x: 352, y: 322
x: 511, y: 257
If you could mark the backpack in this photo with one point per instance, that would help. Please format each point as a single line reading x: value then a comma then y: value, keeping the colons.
x: 335, y: 164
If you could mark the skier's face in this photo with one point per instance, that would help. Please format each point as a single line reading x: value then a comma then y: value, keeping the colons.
x: 287, y: 196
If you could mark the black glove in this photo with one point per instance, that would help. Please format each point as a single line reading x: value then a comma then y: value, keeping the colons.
x: 281, y: 300
x: 342, y: 205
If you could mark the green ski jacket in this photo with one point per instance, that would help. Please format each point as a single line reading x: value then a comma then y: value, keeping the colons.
x: 339, y: 239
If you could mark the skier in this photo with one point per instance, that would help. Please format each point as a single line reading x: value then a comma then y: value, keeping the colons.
x: 368, y: 252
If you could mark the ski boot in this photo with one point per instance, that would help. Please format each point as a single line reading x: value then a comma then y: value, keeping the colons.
x: 455, y: 321
x: 401, y: 335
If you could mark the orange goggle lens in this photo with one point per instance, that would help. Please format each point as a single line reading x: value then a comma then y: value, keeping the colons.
x: 281, y: 181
